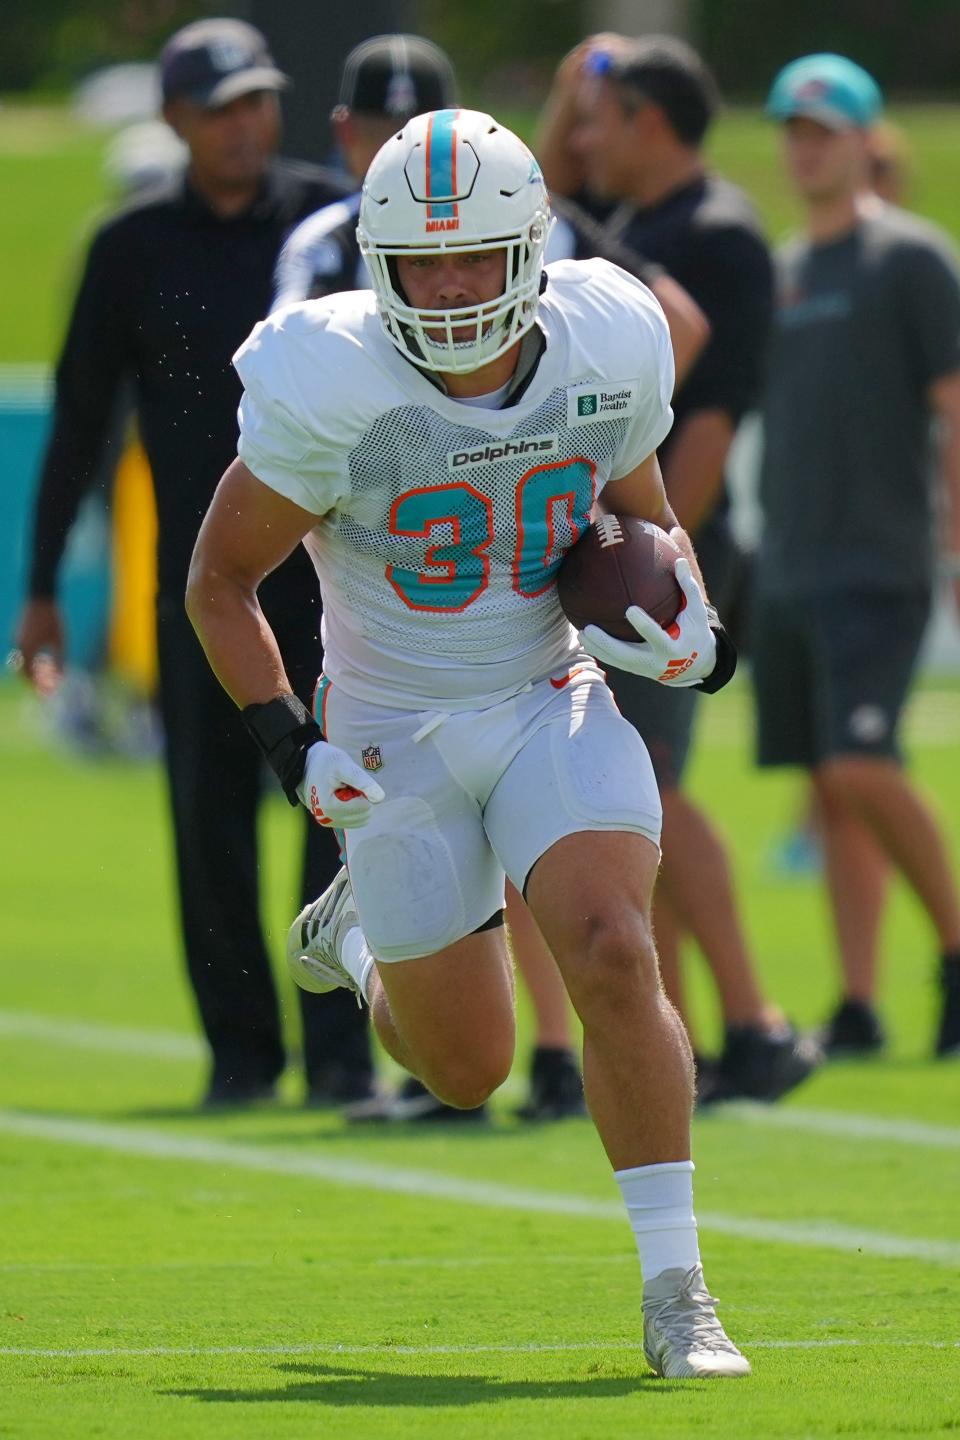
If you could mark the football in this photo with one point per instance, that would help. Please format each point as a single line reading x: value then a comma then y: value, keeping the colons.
x: 619, y: 561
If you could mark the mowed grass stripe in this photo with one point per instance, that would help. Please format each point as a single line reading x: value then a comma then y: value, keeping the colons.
x: 530, y: 1348
x: 174, y: 1045
x: 88, y: 1035
x: 132, y: 1140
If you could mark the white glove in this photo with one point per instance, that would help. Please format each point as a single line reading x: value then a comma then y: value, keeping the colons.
x: 681, y: 656
x: 335, y: 790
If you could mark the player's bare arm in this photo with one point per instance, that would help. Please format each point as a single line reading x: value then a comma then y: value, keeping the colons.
x: 248, y: 531
x: 698, y: 455
x: 945, y: 400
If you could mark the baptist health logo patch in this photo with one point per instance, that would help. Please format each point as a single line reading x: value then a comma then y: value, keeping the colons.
x: 594, y: 401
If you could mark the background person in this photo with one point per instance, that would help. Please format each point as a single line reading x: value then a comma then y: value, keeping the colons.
x: 866, y: 350
x: 626, y: 124
x: 171, y: 287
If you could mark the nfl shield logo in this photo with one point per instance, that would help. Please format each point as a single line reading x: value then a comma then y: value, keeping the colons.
x: 371, y: 757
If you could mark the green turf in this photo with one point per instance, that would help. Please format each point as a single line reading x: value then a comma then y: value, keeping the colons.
x: 249, y: 1283
x: 51, y: 178
x: 51, y: 175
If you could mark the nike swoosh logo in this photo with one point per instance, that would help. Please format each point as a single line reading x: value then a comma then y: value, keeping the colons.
x: 559, y: 684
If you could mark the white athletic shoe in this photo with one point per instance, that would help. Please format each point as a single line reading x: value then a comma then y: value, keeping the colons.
x: 314, y: 938
x: 682, y: 1337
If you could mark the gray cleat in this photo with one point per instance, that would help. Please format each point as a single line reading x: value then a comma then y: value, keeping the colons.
x: 313, y: 944
x: 682, y: 1337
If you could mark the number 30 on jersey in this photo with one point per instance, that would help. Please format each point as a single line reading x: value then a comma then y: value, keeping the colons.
x: 553, y: 506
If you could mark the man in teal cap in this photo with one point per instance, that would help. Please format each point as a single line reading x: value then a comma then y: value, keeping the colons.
x: 865, y: 352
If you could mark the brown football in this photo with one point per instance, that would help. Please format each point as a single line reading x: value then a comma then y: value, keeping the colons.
x: 619, y: 561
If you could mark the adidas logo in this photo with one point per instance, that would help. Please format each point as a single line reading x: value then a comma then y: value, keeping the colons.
x: 677, y: 667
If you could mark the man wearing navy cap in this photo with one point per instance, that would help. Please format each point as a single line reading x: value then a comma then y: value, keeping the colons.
x: 866, y: 352
x: 171, y: 287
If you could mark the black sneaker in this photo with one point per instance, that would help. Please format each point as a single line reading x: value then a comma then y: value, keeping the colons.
x: 706, y: 1072
x: 235, y: 1092
x: 948, y: 1033
x: 337, y: 1084
x: 853, y: 1030
x: 759, y: 1064
x: 556, y: 1086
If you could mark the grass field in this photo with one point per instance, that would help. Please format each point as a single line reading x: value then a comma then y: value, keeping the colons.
x: 52, y: 168
x: 275, y: 1273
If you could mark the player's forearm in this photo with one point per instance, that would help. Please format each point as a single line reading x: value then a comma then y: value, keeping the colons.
x: 693, y: 473
x: 950, y: 469
x: 689, y: 327
x: 562, y: 169
x: 238, y: 642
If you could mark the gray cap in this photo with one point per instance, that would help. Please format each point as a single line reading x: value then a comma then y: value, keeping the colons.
x: 212, y: 62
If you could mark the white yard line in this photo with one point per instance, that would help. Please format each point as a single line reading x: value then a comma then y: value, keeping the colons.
x: 395, y: 1179
x: 845, y: 1125
x: 385, y: 1351
x: 88, y: 1035
x: 175, y: 1045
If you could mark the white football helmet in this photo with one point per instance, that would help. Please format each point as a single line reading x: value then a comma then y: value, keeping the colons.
x: 455, y: 180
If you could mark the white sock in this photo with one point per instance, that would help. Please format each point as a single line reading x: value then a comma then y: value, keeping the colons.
x: 659, y: 1201
x: 356, y: 959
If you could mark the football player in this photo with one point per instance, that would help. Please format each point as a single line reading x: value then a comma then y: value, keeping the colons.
x: 438, y: 445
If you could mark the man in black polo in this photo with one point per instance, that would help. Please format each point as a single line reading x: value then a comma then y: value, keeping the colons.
x: 623, y: 132
x: 172, y: 286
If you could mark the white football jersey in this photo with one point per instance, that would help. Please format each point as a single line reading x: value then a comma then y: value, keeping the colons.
x: 442, y: 525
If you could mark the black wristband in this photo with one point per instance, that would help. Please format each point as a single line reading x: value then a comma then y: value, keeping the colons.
x: 725, y: 663
x: 283, y: 730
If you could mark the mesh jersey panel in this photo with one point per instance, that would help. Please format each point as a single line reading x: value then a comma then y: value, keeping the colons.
x: 487, y: 597
x: 443, y: 525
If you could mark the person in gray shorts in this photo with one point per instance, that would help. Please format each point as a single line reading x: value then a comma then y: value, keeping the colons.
x: 866, y: 351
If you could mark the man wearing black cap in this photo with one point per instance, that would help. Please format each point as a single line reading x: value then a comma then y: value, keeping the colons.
x: 385, y: 82
x: 171, y: 287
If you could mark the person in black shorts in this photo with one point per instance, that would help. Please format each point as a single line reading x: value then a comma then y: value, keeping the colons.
x: 623, y: 132
x: 866, y: 351
x: 171, y: 287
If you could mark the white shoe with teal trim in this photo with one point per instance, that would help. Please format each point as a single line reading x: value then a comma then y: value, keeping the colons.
x: 313, y: 942
x: 682, y: 1337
